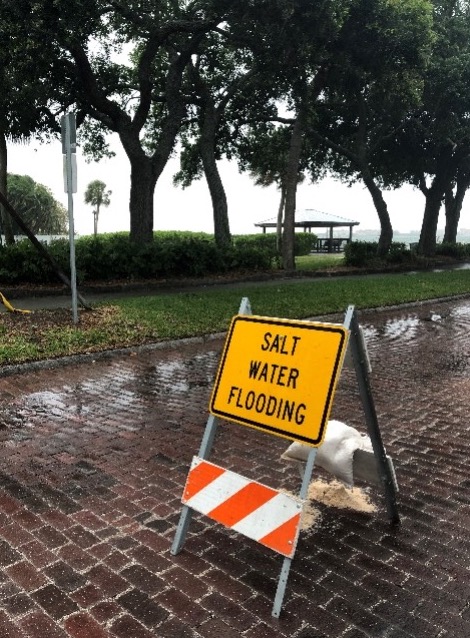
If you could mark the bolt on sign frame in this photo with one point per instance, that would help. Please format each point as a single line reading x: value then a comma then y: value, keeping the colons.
x: 255, y: 510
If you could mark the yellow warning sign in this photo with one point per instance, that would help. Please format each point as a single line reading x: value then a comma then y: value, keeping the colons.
x: 279, y: 375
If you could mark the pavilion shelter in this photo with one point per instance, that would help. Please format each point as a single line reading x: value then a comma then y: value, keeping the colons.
x: 311, y: 218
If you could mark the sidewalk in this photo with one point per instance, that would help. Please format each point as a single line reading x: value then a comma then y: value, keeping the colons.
x: 95, y: 456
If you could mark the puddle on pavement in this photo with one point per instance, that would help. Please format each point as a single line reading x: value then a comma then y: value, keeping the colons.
x: 46, y: 399
x: 462, y: 310
x: 404, y: 328
x: 181, y: 376
x: 170, y: 378
x: 396, y: 330
x: 13, y: 418
x: 433, y: 334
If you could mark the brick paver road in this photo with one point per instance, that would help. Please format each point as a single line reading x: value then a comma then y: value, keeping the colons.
x: 95, y: 455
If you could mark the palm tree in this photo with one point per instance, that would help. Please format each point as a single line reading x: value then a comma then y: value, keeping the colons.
x: 97, y: 195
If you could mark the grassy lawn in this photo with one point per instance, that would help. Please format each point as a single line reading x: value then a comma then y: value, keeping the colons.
x: 138, y: 320
x: 319, y: 261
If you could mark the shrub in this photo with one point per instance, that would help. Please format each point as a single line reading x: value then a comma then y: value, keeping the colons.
x: 114, y: 256
x: 304, y: 243
x: 398, y: 253
x: 360, y: 253
x: 21, y: 262
x: 363, y: 253
x: 458, y: 250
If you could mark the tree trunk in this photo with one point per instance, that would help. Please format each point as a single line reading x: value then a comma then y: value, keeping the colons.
x: 209, y: 122
x: 7, y: 225
x: 452, y: 217
x: 143, y: 181
x: 453, y: 207
x: 95, y: 221
x: 386, y: 230
x: 145, y: 170
x: 292, y: 176
x: 280, y: 215
x: 427, y: 238
x: 222, y: 234
x: 310, y: 95
x: 447, y: 164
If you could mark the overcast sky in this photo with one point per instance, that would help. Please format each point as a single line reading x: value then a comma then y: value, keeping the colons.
x: 190, y: 209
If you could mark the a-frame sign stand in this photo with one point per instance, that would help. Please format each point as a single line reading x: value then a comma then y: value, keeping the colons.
x: 358, y: 352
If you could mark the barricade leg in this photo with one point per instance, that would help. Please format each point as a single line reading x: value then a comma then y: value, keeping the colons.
x: 187, y: 512
x: 284, y: 575
x: 281, y: 587
x: 182, y: 529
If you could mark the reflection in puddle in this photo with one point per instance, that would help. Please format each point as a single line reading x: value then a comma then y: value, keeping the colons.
x: 45, y: 399
x: 430, y: 340
x: 404, y: 328
x: 462, y: 310
x: 369, y: 332
x: 180, y: 376
x: 170, y: 377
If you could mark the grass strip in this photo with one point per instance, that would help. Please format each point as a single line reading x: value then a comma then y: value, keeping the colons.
x: 197, y: 313
x: 138, y: 320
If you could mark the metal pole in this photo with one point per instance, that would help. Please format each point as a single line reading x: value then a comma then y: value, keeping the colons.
x: 286, y: 565
x: 73, y: 273
x: 69, y: 171
x: 360, y: 360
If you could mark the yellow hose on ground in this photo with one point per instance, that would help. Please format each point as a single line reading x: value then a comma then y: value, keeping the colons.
x: 10, y: 308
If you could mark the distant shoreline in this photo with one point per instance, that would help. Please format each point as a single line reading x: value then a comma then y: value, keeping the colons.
x: 407, y: 238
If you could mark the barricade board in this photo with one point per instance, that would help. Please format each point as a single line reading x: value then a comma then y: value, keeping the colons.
x: 279, y: 375
x: 265, y: 515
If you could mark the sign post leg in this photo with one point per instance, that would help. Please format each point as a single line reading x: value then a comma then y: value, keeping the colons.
x: 284, y: 575
x: 204, y: 452
x: 359, y: 355
x: 186, y: 512
x: 281, y: 587
x: 181, y: 530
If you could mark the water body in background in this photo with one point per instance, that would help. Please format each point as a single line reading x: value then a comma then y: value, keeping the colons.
x: 407, y: 238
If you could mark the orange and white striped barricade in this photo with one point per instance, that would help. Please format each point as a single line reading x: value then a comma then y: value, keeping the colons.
x: 265, y: 515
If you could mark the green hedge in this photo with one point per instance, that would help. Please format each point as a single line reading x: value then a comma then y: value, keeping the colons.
x: 172, y: 254
x: 114, y: 256
x: 304, y: 243
x: 458, y: 250
x: 362, y: 253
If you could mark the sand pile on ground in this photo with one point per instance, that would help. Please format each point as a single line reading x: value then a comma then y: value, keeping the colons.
x: 333, y: 494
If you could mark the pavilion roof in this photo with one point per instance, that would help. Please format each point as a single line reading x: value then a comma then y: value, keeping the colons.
x: 311, y: 218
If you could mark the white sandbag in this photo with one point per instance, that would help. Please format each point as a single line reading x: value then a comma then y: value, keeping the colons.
x: 336, y: 453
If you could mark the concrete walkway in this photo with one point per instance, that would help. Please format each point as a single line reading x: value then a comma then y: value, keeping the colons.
x: 96, y: 454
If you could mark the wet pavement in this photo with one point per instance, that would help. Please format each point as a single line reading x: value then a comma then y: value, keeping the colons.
x: 96, y: 453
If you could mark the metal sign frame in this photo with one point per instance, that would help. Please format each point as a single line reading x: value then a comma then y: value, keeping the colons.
x: 361, y: 365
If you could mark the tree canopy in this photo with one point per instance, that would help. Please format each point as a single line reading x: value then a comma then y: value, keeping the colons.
x: 35, y: 85
x: 432, y: 150
x: 37, y: 206
x: 369, y: 89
